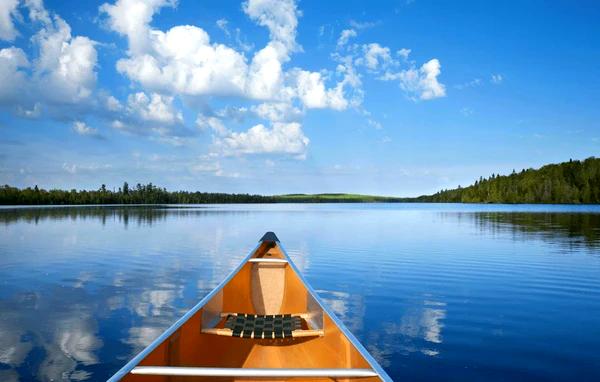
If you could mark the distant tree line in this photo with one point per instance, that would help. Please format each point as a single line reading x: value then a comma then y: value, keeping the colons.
x: 140, y: 194
x: 151, y: 194
x: 570, y: 182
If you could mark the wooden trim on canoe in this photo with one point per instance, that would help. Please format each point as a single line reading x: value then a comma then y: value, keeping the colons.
x: 252, y: 372
x: 267, y: 260
x: 295, y: 333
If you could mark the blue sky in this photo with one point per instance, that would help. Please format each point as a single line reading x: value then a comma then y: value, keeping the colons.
x: 393, y: 98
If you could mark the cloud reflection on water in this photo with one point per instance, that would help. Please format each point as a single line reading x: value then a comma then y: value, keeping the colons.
x: 419, y: 329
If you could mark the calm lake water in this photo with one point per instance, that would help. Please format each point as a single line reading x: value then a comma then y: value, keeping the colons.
x: 434, y: 292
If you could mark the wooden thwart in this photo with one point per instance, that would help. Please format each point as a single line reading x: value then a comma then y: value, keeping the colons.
x: 301, y: 315
x: 295, y: 333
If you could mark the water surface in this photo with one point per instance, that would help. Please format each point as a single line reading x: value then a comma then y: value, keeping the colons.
x: 443, y: 291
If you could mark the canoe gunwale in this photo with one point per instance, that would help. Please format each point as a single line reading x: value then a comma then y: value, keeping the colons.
x: 173, y: 328
x: 252, y: 372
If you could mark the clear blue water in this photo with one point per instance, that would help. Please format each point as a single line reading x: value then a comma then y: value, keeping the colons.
x: 434, y: 292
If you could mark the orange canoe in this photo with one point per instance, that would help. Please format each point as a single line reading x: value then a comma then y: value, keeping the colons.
x: 263, y: 322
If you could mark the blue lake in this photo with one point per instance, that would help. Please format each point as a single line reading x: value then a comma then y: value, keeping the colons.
x: 433, y: 291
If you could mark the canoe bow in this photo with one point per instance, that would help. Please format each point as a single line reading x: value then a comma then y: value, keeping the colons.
x: 264, y: 321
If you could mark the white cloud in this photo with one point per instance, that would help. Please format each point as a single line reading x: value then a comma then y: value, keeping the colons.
x: 404, y: 53
x: 182, y: 60
x: 279, y: 16
x: 496, y: 78
x: 82, y: 128
x: 8, y: 9
x: 265, y: 77
x: 37, y: 12
x: 282, y: 138
x: 420, y: 83
x: 375, y: 57
x: 131, y: 18
x: 156, y: 108
x: 12, y: 77
x: 428, y: 85
x: 66, y: 65
x: 234, y: 113
x: 277, y: 112
x: 346, y: 35
x: 61, y: 78
x: 313, y: 94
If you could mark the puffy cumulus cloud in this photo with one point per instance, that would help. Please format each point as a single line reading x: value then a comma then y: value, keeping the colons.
x: 152, y: 115
x: 183, y: 61
x: 13, y: 78
x: 156, y: 108
x: 313, y: 94
x: 345, y: 36
x: 131, y: 18
x: 8, y: 9
x: 281, y: 138
x: 265, y: 75
x: 279, y: 16
x: 423, y: 82
x: 63, y: 71
x: 67, y: 64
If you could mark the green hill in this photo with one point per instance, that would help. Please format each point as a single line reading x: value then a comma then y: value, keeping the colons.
x: 336, y: 198
x: 569, y: 182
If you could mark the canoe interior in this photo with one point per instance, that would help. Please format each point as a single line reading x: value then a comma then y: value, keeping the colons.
x: 258, y: 288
